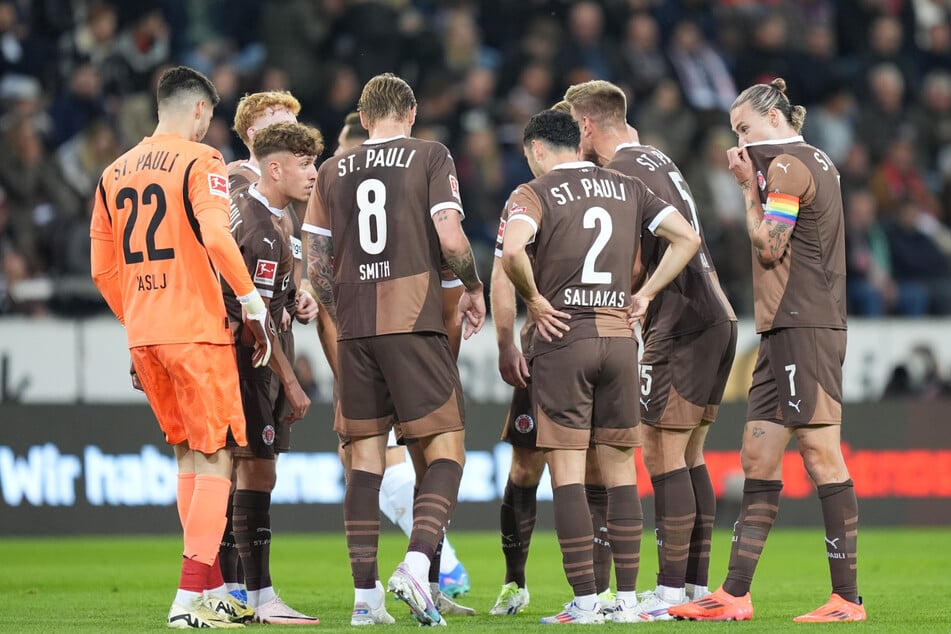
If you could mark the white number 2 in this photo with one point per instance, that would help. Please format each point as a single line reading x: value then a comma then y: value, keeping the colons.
x: 372, y: 211
x: 791, y: 368
x: 600, y: 216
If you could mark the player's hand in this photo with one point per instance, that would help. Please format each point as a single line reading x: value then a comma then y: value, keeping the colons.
x: 298, y: 400
x: 259, y: 322
x: 513, y: 367
x: 307, y: 307
x: 549, y: 322
x: 285, y: 319
x: 136, y: 383
x: 471, y: 312
x: 740, y: 165
x: 639, y: 304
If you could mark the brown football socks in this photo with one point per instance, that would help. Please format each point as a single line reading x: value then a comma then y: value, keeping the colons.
x: 698, y: 564
x: 674, y: 511
x: 758, y: 512
x: 573, y: 525
x: 438, y: 493
x: 252, y: 531
x: 517, y: 522
x: 840, y: 513
x: 361, y: 520
x: 597, y: 497
x: 625, y: 522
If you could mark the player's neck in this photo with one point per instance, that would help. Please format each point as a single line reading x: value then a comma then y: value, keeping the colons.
x: 175, y: 128
x: 389, y: 128
x: 606, y: 146
x: 272, y: 193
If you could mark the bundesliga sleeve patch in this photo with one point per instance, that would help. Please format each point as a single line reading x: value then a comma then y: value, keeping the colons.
x: 454, y: 187
x: 218, y: 185
x: 265, y: 272
x: 781, y: 208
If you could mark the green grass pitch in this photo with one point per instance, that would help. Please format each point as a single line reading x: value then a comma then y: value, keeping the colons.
x: 110, y: 584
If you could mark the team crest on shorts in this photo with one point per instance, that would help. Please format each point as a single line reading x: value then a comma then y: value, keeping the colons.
x: 268, y: 434
x: 524, y: 424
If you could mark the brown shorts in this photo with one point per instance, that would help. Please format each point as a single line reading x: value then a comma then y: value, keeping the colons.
x: 411, y: 379
x: 265, y: 405
x: 797, y: 379
x: 582, y: 392
x: 520, y: 429
x: 682, y: 378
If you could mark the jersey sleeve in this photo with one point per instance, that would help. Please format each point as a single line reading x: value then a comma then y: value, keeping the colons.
x: 315, y: 218
x: 443, y: 182
x: 653, y: 208
x: 208, y: 197
x: 503, y: 220
x: 525, y: 206
x: 102, y: 255
x: 100, y: 226
x: 789, y: 184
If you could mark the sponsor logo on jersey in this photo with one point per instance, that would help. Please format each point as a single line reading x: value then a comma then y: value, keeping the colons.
x: 218, y: 185
x: 760, y: 180
x: 454, y: 187
x: 524, y: 424
x: 501, y: 230
x: 268, y: 434
x: 297, y: 249
x: 265, y: 272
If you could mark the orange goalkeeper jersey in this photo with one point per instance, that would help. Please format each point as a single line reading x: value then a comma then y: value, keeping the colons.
x: 160, y: 236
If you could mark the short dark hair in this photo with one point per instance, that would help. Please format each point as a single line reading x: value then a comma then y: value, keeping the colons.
x: 182, y: 80
x: 555, y: 128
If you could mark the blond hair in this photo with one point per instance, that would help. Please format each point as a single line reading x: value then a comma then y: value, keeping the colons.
x: 764, y: 97
x: 386, y: 95
x: 252, y: 106
x: 599, y: 100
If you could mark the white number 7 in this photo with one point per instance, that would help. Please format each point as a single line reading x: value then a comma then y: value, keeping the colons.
x: 791, y: 368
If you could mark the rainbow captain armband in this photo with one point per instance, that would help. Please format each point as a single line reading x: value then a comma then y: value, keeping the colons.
x: 781, y: 208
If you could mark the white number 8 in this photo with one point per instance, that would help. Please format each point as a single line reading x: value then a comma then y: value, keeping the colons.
x: 374, y: 211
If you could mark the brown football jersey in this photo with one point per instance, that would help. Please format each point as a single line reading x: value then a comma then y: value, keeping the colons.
x: 528, y: 327
x: 377, y: 202
x: 806, y: 288
x: 241, y: 174
x: 694, y: 301
x: 261, y: 233
x: 588, y: 221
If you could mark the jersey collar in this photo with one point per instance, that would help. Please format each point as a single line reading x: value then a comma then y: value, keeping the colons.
x: 254, y: 193
x: 792, y: 139
x: 574, y: 165
x: 624, y: 146
x: 377, y: 141
x: 253, y: 168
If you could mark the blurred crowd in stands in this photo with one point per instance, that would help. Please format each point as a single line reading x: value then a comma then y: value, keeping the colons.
x: 77, y: 77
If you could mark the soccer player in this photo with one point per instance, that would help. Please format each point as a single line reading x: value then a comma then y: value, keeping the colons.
x: 583, y: 224
x: 795, y: 222
x: 689, y: 335
x: 159, y: 239
x: 254, y: 112
x: 519, y: 500
x: 380, y: 280
x: 272, y: 397
x: 447, y: 577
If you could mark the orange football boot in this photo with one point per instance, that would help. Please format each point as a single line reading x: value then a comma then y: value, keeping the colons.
x: 836, y: 609
x: 718, y: 606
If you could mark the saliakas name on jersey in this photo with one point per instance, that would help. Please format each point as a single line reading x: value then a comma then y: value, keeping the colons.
x: 591, y: 188
x: 375, y: 270
x: 376, y: 157
x: 587, y: 297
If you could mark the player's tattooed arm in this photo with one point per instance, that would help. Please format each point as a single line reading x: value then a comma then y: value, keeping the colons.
x: 456, y: 248
x: 768, y: 237
x: 320, y: 250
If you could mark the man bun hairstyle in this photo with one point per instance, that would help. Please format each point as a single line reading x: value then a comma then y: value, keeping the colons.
x: 765, y: 97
